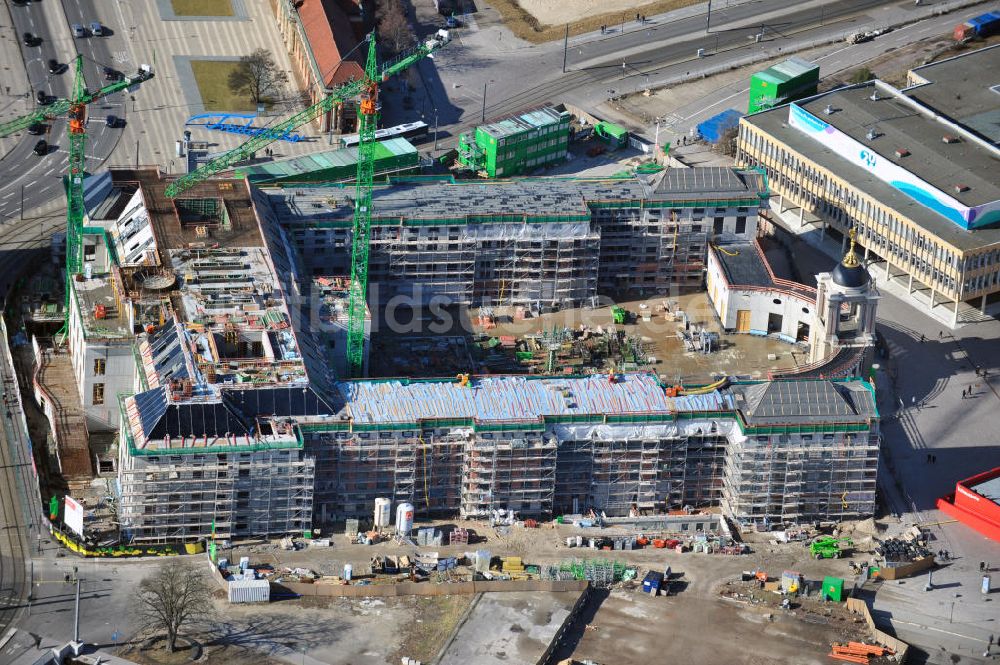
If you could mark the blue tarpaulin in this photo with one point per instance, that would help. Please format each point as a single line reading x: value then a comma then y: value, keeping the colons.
x: 713, y: 129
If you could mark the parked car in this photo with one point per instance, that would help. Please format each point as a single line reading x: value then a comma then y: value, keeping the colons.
x: 36, y: 128
x: 31, y: 39
x: 113, y: 121
x: 54, y: 66
x: 42, y: 148
x: 96, y: 29
x: 111, y: 74
x: 42, y: 97
x: 78, y: 30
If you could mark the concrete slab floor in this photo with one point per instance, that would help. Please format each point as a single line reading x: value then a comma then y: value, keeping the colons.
x: 632, y: 627
x: 509, y: 628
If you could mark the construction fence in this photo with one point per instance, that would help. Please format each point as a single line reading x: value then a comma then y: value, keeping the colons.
x: 423, y: 588
x: 858, y: 606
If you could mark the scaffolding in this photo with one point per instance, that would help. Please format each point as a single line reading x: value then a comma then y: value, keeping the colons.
x: 795, y: 478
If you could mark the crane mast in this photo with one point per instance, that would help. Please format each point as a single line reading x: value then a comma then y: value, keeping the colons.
x: 367, y: 123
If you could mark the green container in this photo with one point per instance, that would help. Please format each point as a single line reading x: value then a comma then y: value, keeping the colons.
x: 833, y: 589
x: 392, y: 156
x: 517, y: 144
x: 785, y: 82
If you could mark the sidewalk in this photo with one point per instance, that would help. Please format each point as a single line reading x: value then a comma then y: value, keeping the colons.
x: 25, y: 648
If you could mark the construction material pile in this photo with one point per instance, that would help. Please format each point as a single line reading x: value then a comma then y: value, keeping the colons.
x: 899, y: 550
x: 858, y: 652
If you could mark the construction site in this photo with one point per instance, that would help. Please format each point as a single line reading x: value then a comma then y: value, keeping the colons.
x: 250, y: 357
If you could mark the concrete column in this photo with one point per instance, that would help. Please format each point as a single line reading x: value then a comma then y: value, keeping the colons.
x: 982, y: 304
x: 802, y: 213
x: 954, y: 314
x: 866, y: 254
x: 843, y: 245
x: 909, y: 286
x: 781, y: 203
x: 933, y: 296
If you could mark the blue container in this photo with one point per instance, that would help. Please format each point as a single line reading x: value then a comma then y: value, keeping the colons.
x: 985, y: 24
x: 652, y: 582
x: 715, y: 127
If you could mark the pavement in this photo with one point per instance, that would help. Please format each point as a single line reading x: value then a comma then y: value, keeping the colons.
x: 919, y: 389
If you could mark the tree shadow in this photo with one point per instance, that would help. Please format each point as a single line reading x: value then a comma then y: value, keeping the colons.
x: 269, y: 634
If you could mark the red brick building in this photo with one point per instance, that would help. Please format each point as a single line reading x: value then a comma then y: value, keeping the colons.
x: 319, y: 35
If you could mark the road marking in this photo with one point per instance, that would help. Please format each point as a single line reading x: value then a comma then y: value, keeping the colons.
x: 49, y: 172
x: 7, y: 196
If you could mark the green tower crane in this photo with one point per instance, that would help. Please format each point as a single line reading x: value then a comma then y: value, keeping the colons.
x: 347, y: 91
x: 75, y: 110
x: 367, y: 90
x: 361, y: 229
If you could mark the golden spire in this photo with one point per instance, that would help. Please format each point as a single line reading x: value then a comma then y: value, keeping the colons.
x: 851, y: 259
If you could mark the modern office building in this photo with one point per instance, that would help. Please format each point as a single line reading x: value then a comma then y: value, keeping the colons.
x: 914, y: 171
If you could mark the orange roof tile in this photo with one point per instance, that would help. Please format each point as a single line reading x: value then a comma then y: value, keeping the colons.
x: 330, y: 36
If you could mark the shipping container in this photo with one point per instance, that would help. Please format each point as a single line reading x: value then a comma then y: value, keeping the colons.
x: 713, y: 129
x: 614, y: 135
x: 985, y: 24
x: 249, y: 591
x: 785, y: 82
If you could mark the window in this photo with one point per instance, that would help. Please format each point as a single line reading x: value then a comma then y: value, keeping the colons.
x: 99, y: 364
x: 98, y: 396
x: 741, y: 225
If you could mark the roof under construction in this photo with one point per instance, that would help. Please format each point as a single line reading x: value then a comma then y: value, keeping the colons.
x: 532, y: 199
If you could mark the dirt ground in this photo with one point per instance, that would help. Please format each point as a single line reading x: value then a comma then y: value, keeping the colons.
x: 527, y: 19
x: 708, y: 630
x: 558, y: 12
x: 659, y: 336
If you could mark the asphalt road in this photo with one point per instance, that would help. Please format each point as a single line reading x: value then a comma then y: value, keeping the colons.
x: 39, y: 179
x: 657, y: 51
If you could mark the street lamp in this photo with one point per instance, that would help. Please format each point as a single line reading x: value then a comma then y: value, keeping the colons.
x: 485, y: 84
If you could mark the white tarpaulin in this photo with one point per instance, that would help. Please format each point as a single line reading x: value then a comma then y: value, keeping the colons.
x: 73, y: 514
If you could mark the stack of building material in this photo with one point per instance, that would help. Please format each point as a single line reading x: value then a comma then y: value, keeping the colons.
x: 858, y: 652
x: 458, y: 536
x: 512, y: 564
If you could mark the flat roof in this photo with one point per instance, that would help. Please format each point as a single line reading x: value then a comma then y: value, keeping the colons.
x: 329, y: 159
x: 989, y: 489
x: 98, y: 291
x: 775, y: 123
x: 462, y: 202
x: 965, y: 88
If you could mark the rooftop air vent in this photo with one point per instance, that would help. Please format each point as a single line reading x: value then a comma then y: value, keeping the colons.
x: 872, y: 134
x: 829, y: 109
x: 949, y: 138
x: 902, y: 152
x: 961, y: 188
x: 874, y: 96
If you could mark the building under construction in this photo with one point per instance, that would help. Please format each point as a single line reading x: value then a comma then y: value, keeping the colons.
x: 234, y: 416
x: 534, y: 242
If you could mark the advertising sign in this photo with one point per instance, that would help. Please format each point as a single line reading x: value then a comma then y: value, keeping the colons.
x: 885, y: 170
x: 73, y: 514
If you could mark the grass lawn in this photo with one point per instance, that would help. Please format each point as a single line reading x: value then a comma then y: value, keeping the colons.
x: 212, y: 77
x: 202, y: 7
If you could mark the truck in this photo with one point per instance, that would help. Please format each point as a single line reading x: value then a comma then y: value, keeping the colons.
x: 981, y: 26
x: 829, y: 547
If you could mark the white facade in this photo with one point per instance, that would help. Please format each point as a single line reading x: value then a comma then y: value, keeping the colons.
x: 784, y: 309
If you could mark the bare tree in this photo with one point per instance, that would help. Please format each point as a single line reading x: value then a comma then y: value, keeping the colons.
x: 172, y: 598
x: 257, y: 76
x: 393, y: 26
